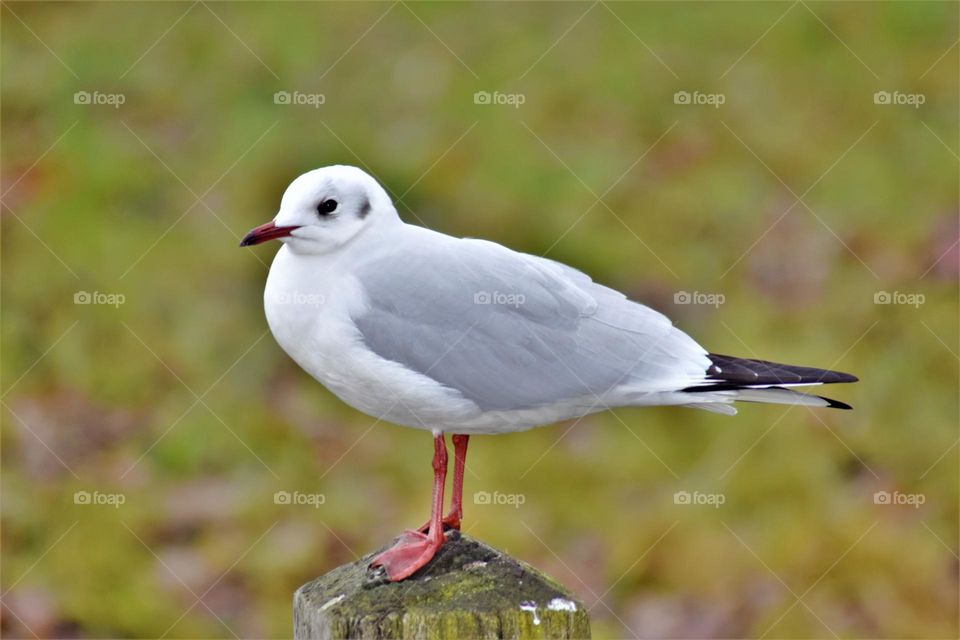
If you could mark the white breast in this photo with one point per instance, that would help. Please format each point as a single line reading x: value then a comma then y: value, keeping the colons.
x: 309, y: 303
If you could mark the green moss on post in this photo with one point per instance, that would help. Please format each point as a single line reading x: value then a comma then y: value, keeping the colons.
x: 469, y: 591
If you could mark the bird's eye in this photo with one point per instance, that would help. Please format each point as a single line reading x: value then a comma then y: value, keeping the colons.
x: 327, y: 207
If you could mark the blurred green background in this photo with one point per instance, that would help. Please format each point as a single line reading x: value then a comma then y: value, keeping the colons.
x: 801, y: 200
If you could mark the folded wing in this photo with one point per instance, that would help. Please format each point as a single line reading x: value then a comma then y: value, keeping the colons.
x: 513, y: 331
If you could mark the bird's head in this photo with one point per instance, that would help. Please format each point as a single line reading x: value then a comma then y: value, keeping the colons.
x: 324, y: 209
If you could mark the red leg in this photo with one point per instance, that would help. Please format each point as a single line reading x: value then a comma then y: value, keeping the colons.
x: 459, y: 462
x: 455, y: 515
x: 415, y: 549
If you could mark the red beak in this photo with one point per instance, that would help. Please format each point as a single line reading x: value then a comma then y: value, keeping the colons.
x: 264, y: 232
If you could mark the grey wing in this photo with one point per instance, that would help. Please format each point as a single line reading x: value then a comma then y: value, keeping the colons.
x: 511, y: 331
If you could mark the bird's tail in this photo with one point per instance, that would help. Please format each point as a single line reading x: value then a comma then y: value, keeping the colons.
x: 730, y: 379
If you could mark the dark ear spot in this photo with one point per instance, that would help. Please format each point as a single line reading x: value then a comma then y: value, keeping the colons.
x: 364, y: 210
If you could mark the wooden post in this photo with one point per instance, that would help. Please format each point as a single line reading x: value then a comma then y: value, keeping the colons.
x: 469, y: 590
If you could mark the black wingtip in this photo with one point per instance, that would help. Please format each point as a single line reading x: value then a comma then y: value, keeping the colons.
x: 836, y: 404
x: 748, y: 371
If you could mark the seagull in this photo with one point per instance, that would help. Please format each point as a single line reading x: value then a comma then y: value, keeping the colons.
x: 466, y: 336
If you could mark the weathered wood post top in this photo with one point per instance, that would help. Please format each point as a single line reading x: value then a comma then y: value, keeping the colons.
x: 469, y: 590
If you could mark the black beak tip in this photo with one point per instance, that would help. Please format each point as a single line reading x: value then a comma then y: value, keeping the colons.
x: 251, y: 239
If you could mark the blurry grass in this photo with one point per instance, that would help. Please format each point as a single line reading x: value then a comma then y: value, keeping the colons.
x: 798, y: 488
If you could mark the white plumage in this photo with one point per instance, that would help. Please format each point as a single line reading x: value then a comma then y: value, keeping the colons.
x: 466, y: 336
